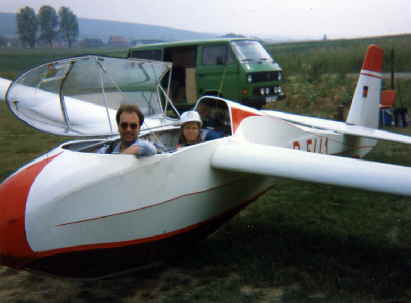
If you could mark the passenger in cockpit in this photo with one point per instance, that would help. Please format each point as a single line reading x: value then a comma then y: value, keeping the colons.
x: 129, y: 120
x: 190, y: 133
x: 213, y: 127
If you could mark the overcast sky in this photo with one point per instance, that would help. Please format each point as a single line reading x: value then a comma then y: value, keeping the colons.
x: 292, y: 18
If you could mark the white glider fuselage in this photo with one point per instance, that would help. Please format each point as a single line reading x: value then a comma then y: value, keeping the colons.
x: 96, y: 202
x: 116, y: 199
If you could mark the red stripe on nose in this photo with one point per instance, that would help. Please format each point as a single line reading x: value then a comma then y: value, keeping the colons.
x: 14, y: 248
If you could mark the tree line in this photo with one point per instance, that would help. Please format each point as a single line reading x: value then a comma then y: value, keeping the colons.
x: 47, y: 26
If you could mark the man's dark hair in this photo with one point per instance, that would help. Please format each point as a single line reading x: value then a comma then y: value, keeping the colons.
x: 129, y: 108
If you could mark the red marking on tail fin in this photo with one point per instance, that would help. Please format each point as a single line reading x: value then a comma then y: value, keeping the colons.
x: 374, y: 58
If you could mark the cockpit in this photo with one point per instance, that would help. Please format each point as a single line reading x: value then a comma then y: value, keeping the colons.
x: 214, y: 113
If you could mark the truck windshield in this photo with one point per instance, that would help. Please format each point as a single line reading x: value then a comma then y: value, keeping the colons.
x: 249, y: 50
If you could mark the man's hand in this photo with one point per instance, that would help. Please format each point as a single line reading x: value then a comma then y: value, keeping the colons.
x: 131, y: 150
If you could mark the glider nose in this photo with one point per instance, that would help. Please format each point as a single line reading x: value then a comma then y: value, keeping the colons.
x: 15, y: 250
x: 13, y: 244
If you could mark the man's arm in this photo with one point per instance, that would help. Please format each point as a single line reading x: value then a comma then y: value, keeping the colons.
x: 141, y: 148
x: 102, y: 150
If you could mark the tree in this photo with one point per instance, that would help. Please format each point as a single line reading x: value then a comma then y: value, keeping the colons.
x: 49, y: 22
x: 27, y: 26
x: 68, y: 25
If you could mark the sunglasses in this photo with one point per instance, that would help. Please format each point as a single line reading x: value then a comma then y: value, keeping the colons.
x: 125, y: 125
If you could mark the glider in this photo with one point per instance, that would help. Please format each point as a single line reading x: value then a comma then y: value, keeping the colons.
x: 76, y: 213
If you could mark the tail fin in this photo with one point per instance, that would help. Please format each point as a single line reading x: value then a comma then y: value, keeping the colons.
x: 364, y: 110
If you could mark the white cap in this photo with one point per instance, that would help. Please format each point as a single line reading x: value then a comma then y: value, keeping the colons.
x: 191, y: 116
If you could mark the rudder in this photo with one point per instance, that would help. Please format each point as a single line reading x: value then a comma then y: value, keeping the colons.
x: 364, y: 110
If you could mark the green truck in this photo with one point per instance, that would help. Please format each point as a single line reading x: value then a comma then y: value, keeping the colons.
x: 238, y: 69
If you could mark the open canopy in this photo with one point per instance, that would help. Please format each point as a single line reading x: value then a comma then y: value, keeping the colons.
x: 80, y: 96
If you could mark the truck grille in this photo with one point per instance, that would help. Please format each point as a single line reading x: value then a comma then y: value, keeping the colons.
x: 266, y: 76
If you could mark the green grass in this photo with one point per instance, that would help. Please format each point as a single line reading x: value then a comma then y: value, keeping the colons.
x: 15, y: 60
x: 20, y: 143
x: 340, y: 56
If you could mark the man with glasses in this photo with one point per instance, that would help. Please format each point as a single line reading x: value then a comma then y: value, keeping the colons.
x: 129, y: 120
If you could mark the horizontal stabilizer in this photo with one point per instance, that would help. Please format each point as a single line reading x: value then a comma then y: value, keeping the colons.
x: 341, y: 127
x: 300, y: 165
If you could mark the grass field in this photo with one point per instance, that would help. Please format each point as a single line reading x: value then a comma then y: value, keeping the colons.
x: 341, y: 56
x: 300, y: 242
x: 14, y: 61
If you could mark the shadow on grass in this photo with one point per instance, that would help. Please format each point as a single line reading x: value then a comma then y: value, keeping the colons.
x: 266, y: 257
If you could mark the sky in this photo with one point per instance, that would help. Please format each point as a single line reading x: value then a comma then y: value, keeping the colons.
x: 263, y: 18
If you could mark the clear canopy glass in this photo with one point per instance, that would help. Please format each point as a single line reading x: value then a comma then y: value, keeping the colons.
x: 80, y: 96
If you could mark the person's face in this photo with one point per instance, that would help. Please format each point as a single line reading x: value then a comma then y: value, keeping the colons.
x: 129, y: 127
x: 203, y: 110
x: 191, y: 131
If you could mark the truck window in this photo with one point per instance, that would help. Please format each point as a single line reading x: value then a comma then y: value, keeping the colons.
x: 216, y: 55
x: 147, y: 54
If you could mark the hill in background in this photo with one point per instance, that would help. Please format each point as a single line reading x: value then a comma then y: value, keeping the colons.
x: 103, y: 29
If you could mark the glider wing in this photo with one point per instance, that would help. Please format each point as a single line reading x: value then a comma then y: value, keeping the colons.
x: 276, y: 161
